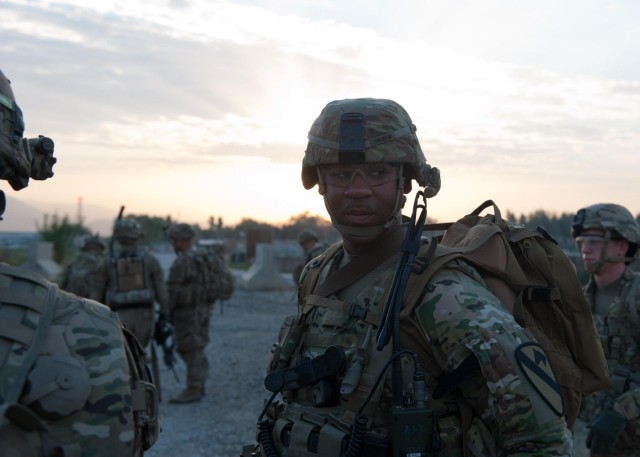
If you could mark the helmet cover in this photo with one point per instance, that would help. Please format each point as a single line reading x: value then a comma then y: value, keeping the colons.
x: 366, y: 130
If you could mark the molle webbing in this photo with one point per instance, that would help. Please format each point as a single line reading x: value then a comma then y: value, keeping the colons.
x: 351, y: 309
x: 37, y: 311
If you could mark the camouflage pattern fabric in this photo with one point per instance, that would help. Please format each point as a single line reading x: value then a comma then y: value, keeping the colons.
x: 458, y: 316
x: 619, y: 332
x: 78, y: 394
x: 190, y: 315
x: 77, y: 277
x: 140, y: 320
x: 390, y: 138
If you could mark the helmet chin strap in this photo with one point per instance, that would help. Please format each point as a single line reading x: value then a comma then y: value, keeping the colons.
x: 371, y: 231
x: 595, y: 267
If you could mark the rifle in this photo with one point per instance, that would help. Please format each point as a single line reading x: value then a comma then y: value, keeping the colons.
x: 156, y: 372
x: 113, y: 238
x: 163, y: 337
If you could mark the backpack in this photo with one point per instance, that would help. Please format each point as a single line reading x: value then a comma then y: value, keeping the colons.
x: 214, y: 276
x: 537, y: 282
x: 130, y: 281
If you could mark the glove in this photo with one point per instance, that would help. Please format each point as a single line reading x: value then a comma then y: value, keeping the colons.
x: 605, y: 430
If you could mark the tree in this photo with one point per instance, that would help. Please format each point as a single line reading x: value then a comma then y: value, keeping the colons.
x: 61, y: 232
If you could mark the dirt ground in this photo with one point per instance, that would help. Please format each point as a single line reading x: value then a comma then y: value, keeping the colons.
x: 242, y: 332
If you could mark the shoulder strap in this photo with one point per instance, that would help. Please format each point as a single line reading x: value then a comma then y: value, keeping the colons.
x: 360, y: 265
x: 29, y: 337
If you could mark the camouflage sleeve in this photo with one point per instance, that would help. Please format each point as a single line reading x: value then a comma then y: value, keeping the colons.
x: 459, y: 317
x: 629, y: 404
x: 156, y: 276
x: 180, y: 283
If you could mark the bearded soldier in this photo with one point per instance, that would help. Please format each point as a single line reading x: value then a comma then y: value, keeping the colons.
x: 608, y: 236
x: 330, y: 361
x: 72, y: 381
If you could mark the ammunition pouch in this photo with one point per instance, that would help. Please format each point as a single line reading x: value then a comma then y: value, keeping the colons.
x: 624, y: 379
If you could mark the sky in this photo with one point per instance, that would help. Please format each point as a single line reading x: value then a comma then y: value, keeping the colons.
x: 199, y: 108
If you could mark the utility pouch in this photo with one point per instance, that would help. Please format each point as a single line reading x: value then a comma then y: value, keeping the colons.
x: 619, y: 380
x: 130, y: 274
x: 288, y: 340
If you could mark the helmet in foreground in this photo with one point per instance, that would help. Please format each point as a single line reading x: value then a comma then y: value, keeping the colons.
x: 20, y: 158
x: 367, y: 130
x: 72, y: 381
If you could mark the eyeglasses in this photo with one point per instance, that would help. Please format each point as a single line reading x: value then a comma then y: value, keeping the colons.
x: 594, y: 242
x: 373, y: 174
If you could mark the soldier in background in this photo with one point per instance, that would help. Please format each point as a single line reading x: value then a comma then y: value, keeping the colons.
x: 130, y: 281
x: 189, y: 310
x: 608, y: 237
x: 77, y: 277
x: 68, y: 370
x: 308, y: 241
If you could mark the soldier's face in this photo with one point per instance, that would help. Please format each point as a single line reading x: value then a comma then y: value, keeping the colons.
x: 360, y: 195
x: 592, y: 248
x: 180, y: 245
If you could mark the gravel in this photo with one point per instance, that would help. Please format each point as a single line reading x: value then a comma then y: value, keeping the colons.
x: 242, y: 332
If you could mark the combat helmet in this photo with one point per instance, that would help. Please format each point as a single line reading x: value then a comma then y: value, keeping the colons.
x: 20, y: 158
x: 306, y: 235
x: 368, y: 131
x: 93, y: 243
x: 127, y: 230
x: 615, y: 220
x: 180, y: 232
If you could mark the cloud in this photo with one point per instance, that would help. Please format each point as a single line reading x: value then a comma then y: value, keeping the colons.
x: 206, y: 83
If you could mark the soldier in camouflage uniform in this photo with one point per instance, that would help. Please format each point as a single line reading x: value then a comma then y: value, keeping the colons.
x: 77, y: 277
x: 363, y: 154
x: 308, y: 241
x: 131, y: 281
x: 189, y: 312
x: 72, y: 380
x: 608, y: 237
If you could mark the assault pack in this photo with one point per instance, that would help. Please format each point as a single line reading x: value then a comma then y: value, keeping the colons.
x: 130, y: 280
x: 532, y: 277
x: 536, y: 281
x: 215, y: 278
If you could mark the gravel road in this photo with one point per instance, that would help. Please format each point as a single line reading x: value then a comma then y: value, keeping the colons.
x: 224, y: 421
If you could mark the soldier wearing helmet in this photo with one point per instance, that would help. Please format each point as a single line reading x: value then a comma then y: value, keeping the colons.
x: 330, y: 360
x: 608, y: 237
x: 72, y: 380
x: 308, y: 241
x: 189, y: 311
x: 131, y: 281
x: 78, y: 276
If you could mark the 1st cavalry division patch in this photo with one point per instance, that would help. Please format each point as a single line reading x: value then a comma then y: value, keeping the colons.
x: 536, y: 367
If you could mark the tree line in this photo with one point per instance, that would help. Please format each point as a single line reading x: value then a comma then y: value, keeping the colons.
x: 62, y: 231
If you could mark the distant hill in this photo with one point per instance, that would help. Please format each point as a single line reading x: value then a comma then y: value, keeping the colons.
x: 22, y: 217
